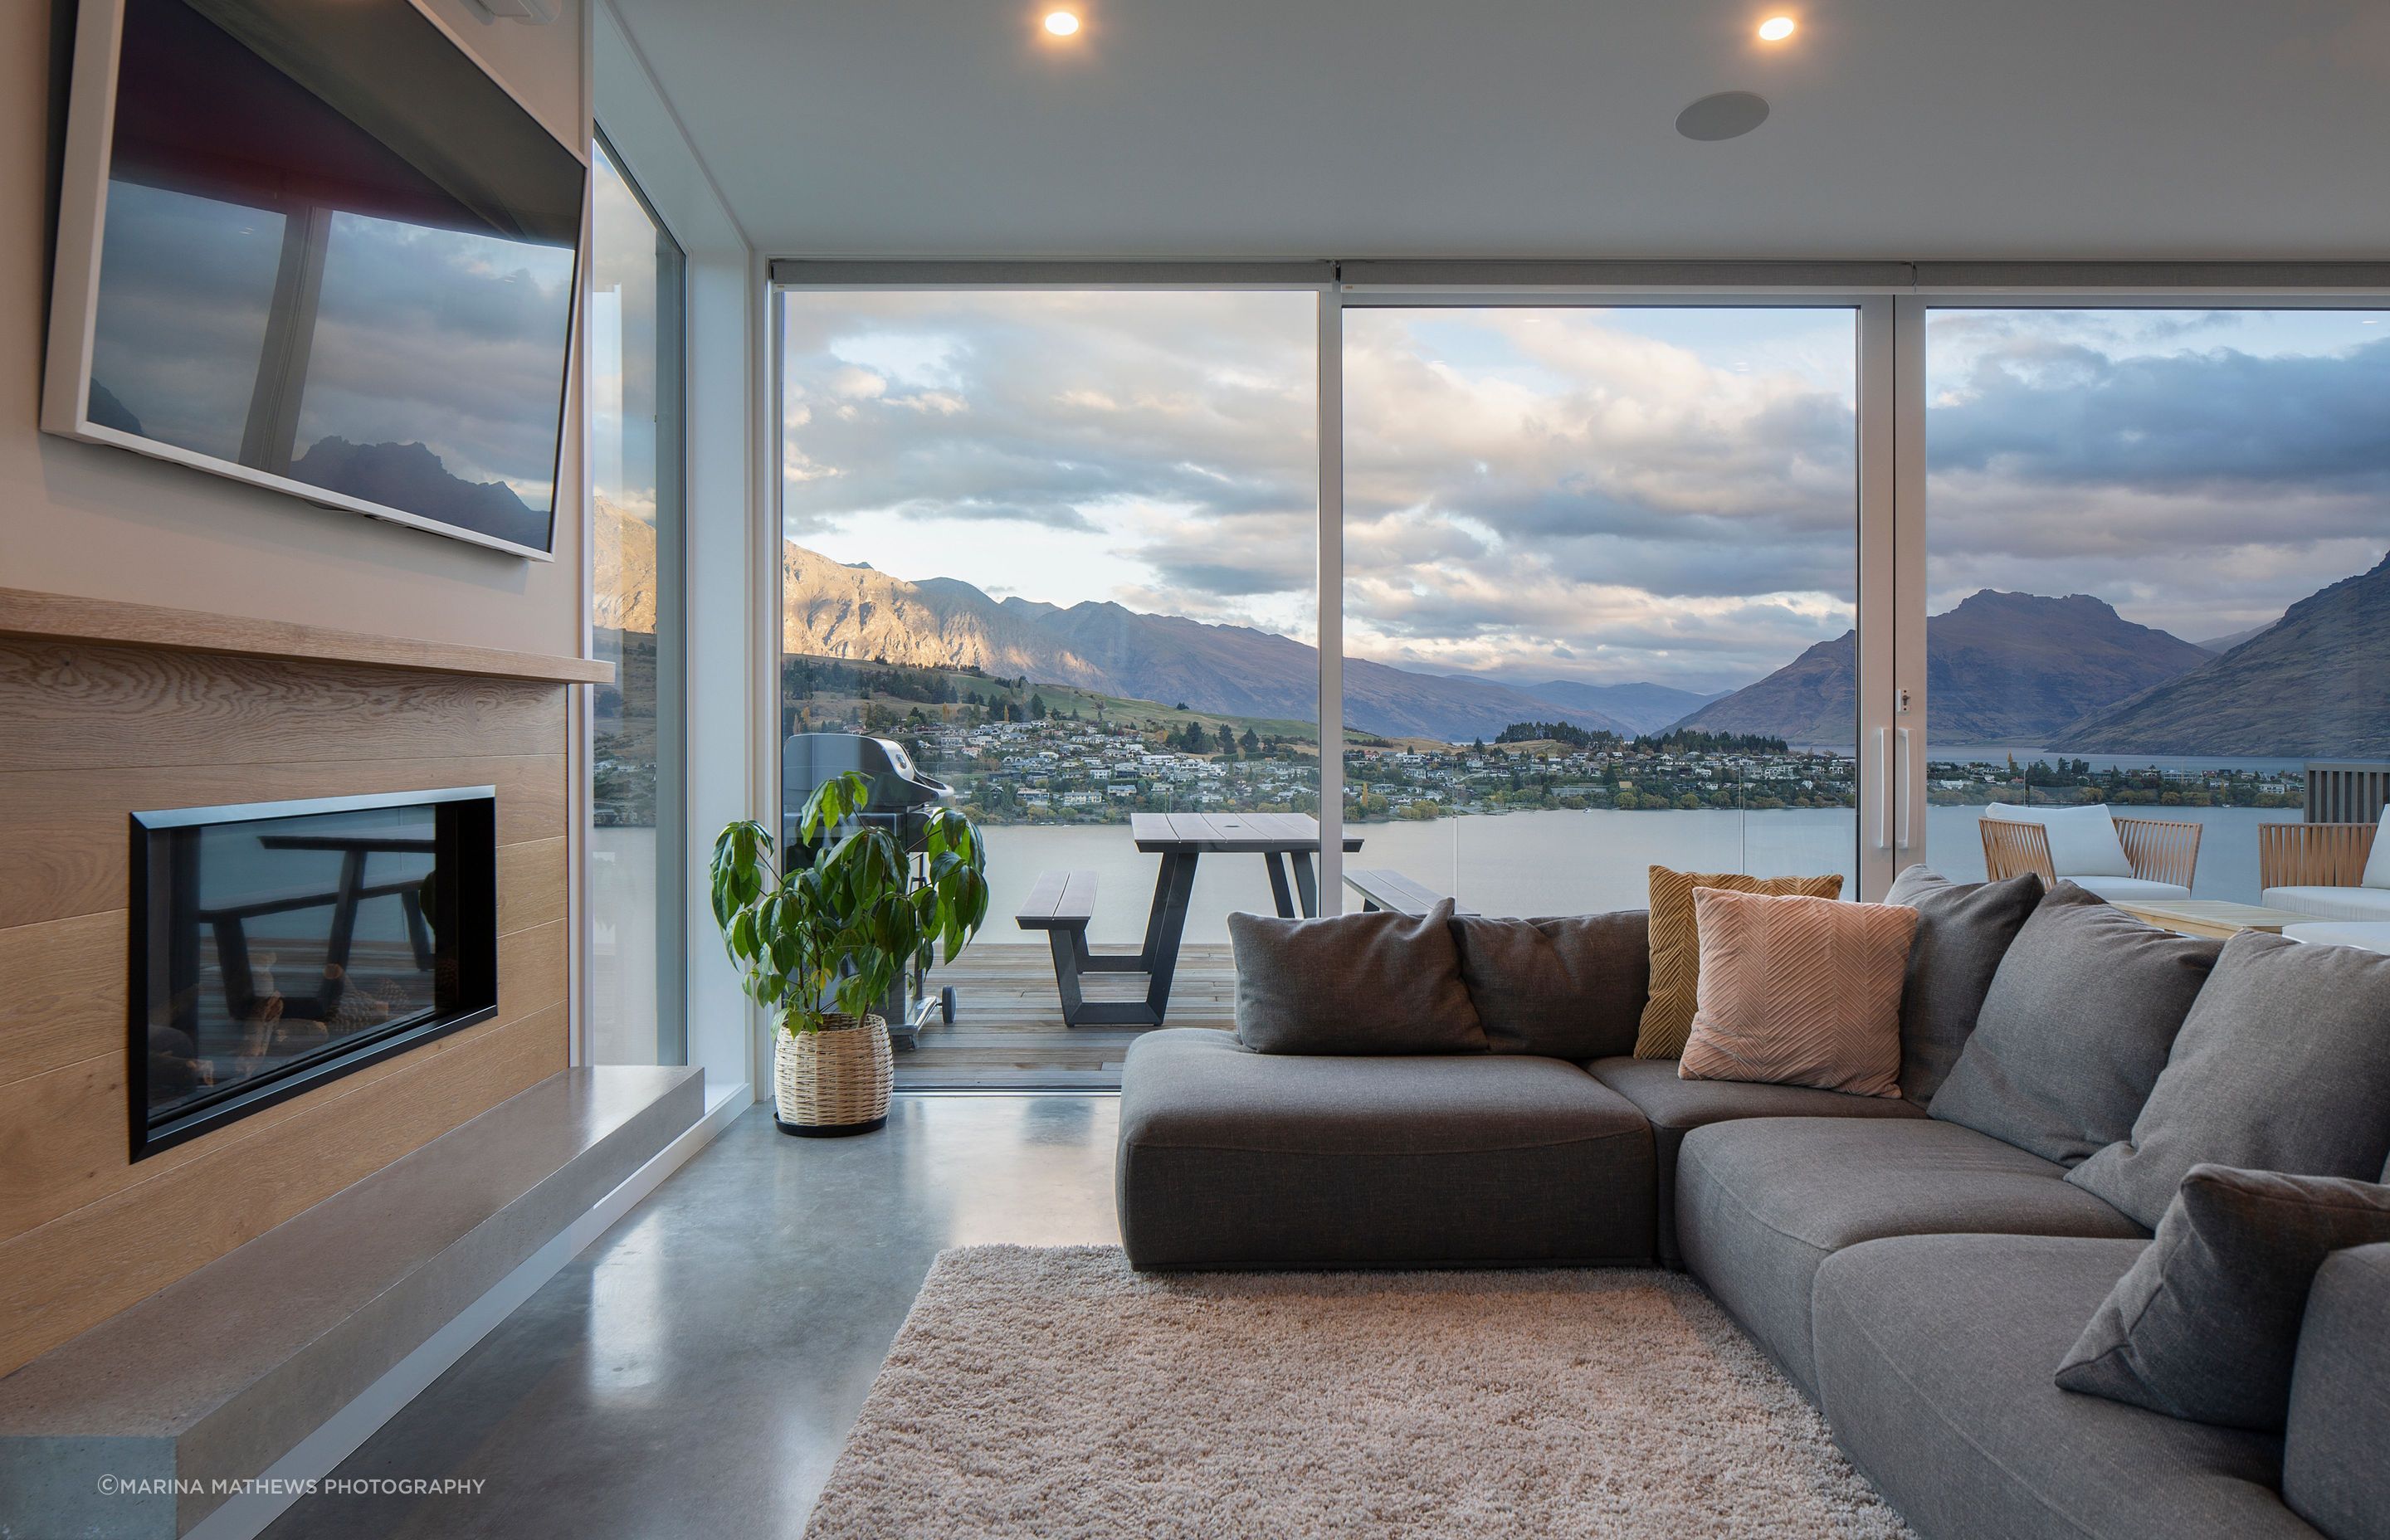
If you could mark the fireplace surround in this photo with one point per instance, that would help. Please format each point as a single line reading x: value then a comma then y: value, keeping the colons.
x: 278, y: 946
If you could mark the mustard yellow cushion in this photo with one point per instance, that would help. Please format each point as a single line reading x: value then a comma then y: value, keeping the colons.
x: 1677, y: 948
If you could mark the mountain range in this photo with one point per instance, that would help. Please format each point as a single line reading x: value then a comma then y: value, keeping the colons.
x: 832, y: 610
x: 2226, y: 644
x: 411, y: 476
x: 2060, y: 673
x: 2001, y: 668
x: 623, y: 555
x: 2316, y: 683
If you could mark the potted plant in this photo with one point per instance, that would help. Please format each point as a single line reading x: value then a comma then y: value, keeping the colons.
x: 820, y: 947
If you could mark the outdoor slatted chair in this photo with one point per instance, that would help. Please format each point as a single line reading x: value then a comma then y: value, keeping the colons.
x: 2159, y: 851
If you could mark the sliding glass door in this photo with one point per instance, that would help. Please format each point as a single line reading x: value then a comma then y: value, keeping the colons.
x: 1601, y: 596
x: 2159, y: 582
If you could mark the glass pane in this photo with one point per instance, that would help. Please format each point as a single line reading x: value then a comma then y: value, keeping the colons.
x: 635, y: 850
x: 1600, y: 592
x: 407, y: 313
x: 1059, y: 546
x: 2157, y: 585
x: 187, y: 285
x: 307, y: 931
x: 274, y: 949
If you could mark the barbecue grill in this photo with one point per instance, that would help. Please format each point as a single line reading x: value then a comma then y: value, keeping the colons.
x: 900, y: 800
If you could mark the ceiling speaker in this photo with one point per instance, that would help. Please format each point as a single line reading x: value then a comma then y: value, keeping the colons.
x: 1727, y: 115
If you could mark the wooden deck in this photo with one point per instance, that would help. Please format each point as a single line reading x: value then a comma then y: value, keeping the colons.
x: 1009, y: 1030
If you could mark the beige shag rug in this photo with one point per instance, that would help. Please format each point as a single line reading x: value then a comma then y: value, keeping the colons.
x: 1054, y: 1392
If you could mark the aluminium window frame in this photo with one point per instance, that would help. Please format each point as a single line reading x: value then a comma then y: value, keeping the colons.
x: 1891, y: 300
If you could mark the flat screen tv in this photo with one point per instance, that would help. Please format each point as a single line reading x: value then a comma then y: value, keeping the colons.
x: 317, y: 247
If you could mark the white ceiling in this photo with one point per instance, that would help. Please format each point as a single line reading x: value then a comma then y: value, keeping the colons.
x: 1923, y: 129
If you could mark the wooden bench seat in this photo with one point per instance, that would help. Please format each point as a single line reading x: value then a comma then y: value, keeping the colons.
x: 1060, y: 901
x: 1062, y: 904
x: 1383, y: 887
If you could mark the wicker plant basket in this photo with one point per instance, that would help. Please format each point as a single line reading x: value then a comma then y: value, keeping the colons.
x: 832, y: 1082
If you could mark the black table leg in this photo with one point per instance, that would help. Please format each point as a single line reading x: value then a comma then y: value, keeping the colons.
x: 1175, y: 882
x: 1306, y: 882
x: 1278, y: 884
x: 1165, y: 878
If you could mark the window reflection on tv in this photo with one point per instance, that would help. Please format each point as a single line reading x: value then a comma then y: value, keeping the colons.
x: 334, y: 251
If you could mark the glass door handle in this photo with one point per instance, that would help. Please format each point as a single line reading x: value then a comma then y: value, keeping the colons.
x: 1906, y: 771
x: 1883, y: 789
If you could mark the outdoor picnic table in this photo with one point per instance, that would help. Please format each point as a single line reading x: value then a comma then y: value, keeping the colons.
x: 1182, y: 838
x: 1063, y: 902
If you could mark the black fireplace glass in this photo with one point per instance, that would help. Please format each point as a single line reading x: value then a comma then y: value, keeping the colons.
x: 276, y: 945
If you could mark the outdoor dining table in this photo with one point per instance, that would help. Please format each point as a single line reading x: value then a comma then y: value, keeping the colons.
x: 1182, y: 838
x: 1063, y: 902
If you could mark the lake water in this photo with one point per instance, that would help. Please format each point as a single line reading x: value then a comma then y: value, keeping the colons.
x: 1550, y: 863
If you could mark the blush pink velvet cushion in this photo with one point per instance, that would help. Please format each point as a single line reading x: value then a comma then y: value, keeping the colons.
x: 1799, y: 992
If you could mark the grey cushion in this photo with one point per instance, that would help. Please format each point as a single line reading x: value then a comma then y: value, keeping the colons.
x: 1761, y: 1203
x: 1676, y: 1106
x: 1963, y: 934
x: 2336, y: 1454
x: 1931, y: 1358
x: 1571, y: 988
x: 2206, y: 1325
x: 2282, y: 1065
x: 2075, y: 1029
x: 1374, y: 983
x: 1233, y: 1159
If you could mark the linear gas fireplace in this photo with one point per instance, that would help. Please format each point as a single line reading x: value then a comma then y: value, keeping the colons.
x: 277, y: 945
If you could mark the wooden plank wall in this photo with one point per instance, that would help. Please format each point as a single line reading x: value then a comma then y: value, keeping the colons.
x: 91, y: 733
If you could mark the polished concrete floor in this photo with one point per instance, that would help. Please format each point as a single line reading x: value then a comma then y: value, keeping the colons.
x: 694, y: 1371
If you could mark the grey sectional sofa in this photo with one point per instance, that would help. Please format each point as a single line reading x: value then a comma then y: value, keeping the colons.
x: 1918, y: 1279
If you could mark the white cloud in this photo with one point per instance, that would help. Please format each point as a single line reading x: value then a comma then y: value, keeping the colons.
x: 1621, y: 494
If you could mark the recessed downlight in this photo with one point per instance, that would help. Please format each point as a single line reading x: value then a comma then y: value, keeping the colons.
x: 1776, y: 28
x: 1727, y: 115
x: 1062, y: 23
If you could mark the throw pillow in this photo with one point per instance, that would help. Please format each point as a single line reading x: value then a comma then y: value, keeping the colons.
x: 1963, y: 934
x: 2206, y: 1326
x: 2282, y: 1065
x: 1569, y: 988
x: 2083, y: 840
x: 2075, y: 1029
x: 1799, y: 992
x: 1675, y: 948
x: 1367, y: 984
x: 2377, y: 864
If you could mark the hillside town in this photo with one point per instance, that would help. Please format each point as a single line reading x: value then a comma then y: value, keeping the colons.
x: 1059, y: 770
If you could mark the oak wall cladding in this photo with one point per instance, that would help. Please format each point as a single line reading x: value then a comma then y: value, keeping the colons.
x: 114, y: 708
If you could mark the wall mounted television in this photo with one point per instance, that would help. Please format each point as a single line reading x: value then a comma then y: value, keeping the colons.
x: 317, y: 248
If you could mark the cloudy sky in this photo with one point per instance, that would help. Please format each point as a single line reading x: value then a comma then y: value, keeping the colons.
x: 1609, y: 494
x: 2201, y: 471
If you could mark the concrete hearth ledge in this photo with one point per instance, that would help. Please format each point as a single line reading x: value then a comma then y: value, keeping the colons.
x: 221, y: 1373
